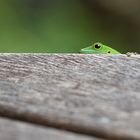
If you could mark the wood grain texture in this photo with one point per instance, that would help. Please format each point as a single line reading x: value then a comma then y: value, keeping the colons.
x: 14, y: 130
x: 91, y: 94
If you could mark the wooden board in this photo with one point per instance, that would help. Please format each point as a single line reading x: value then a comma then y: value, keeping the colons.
x: 14, y: 130
x: 89, y: 94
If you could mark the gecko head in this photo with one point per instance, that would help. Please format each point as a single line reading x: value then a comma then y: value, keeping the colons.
x: 93, y: 49
x: 99, y: 48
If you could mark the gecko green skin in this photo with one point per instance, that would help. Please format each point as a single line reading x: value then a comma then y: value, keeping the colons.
x: 98, y: 48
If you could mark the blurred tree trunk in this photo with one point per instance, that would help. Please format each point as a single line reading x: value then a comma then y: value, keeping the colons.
x: 129, y: 9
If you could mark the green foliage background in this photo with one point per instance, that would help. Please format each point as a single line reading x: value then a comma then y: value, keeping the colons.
x: 59, y: 27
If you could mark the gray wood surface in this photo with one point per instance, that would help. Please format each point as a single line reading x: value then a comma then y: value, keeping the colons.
x: 89, y: 94
x: 14, y: 130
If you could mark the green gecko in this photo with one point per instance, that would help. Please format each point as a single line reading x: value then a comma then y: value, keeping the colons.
x: 98, y: 48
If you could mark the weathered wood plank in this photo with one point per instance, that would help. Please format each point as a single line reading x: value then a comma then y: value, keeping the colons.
x: 14, y: 130
x: 91, y: 94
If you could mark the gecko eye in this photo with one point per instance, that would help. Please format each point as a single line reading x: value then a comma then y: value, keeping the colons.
x: 97, y: 46
x: 109, y: 51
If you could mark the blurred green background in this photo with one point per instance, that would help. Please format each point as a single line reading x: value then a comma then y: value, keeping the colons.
x: 66, y: 26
